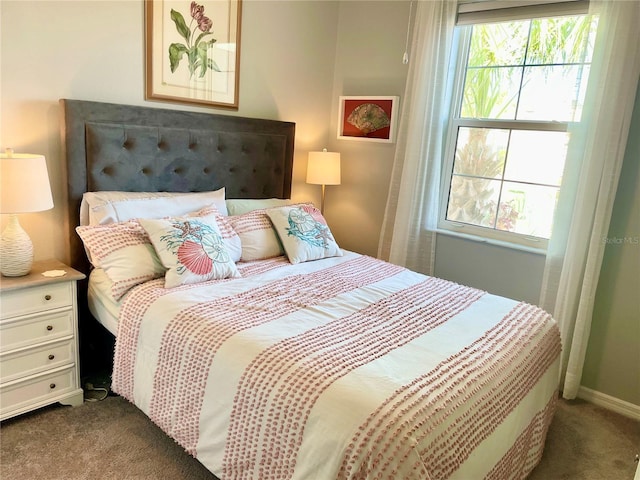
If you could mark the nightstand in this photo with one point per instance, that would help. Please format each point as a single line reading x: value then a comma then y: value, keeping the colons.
x: 39, y: 340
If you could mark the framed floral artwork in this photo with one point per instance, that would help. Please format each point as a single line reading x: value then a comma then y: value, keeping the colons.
x: 193, y: 51
x: 367, y: 118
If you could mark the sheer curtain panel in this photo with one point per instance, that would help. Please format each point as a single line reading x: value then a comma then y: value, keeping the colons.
x: 411, y: 215
x: 594, y: 161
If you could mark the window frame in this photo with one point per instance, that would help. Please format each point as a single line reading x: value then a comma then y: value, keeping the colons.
x: 458, y: 67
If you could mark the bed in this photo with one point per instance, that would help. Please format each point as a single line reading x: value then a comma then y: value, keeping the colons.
x: 280, y: 355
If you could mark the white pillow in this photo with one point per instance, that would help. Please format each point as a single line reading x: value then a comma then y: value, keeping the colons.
x: 109, y: 207
x: 238, y: 206
x: 304, y: 233
x: 191, y: 248
x: 258, y: 238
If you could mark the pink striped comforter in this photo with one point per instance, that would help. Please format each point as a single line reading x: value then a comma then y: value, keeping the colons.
x: 347, y: 367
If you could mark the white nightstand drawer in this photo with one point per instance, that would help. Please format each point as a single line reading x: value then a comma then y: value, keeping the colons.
x: 39, y: 362
x: 29, y: 361
x: 35, y: 299
x: 35, y: 329
x: 36, y: 390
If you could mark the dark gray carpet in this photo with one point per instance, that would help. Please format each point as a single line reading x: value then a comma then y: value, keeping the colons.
x: 112, y: 439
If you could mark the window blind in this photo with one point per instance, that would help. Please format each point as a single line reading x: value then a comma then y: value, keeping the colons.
x: 488, y: 11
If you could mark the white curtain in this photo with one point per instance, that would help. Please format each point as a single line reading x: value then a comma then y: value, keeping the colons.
x: 596, y: 151
x: 410, y: 220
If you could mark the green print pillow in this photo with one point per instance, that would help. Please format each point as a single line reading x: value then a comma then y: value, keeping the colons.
x: 191, y: 249
x: 304, y: 233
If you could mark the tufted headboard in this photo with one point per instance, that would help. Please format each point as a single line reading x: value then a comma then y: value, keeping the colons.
x: 141, y: 149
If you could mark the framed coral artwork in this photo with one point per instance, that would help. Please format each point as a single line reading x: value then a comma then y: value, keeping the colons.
x: 368, y: 118
x: 193, y: 51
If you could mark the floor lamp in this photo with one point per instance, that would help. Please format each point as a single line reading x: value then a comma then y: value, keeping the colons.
x: 323, y: 169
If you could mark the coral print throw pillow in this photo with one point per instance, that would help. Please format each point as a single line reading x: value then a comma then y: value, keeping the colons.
x: 304, y: 233
x: 191, y: 248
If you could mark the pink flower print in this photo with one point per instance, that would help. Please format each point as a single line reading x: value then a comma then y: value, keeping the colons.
x: 196, y: 46
x: 205, y: 24
x: 197, y: 11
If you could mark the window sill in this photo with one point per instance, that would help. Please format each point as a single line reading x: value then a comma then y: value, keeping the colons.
x: 491, y: 241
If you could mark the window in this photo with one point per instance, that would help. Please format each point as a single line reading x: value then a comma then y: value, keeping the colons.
x: 519, y: 86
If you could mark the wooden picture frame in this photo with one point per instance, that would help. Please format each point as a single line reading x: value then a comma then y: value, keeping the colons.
x: 371, y: 118
x: 193, y: 52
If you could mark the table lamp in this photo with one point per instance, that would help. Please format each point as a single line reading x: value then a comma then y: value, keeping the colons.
x: 24, y: 187
x: 323, y: 169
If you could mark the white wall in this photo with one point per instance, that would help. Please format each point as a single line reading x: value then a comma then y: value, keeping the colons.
x: 500, y: 270
x: 368, y: 61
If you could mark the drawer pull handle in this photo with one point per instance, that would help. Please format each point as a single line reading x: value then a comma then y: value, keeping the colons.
x: 51, y: 356
x: 47, y: 297
x: 49, y: 327
x: 52, y: 386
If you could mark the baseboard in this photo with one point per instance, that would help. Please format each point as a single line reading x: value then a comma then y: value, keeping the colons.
x: 610, y: 403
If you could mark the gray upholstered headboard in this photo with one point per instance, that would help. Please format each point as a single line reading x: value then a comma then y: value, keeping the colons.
x: 133, y: 148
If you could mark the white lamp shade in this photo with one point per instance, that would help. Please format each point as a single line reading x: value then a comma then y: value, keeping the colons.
x: 323, y: 168
x: 24, y: 183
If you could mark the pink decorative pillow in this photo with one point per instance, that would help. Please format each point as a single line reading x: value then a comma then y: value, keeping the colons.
x: 191, y: 248
x: 124, y: 251
x: 258, y: 238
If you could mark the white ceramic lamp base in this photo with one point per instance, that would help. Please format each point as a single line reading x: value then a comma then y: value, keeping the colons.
x: 16, y: 250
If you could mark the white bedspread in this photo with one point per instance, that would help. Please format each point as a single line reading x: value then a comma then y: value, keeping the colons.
x: 346, y: 367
